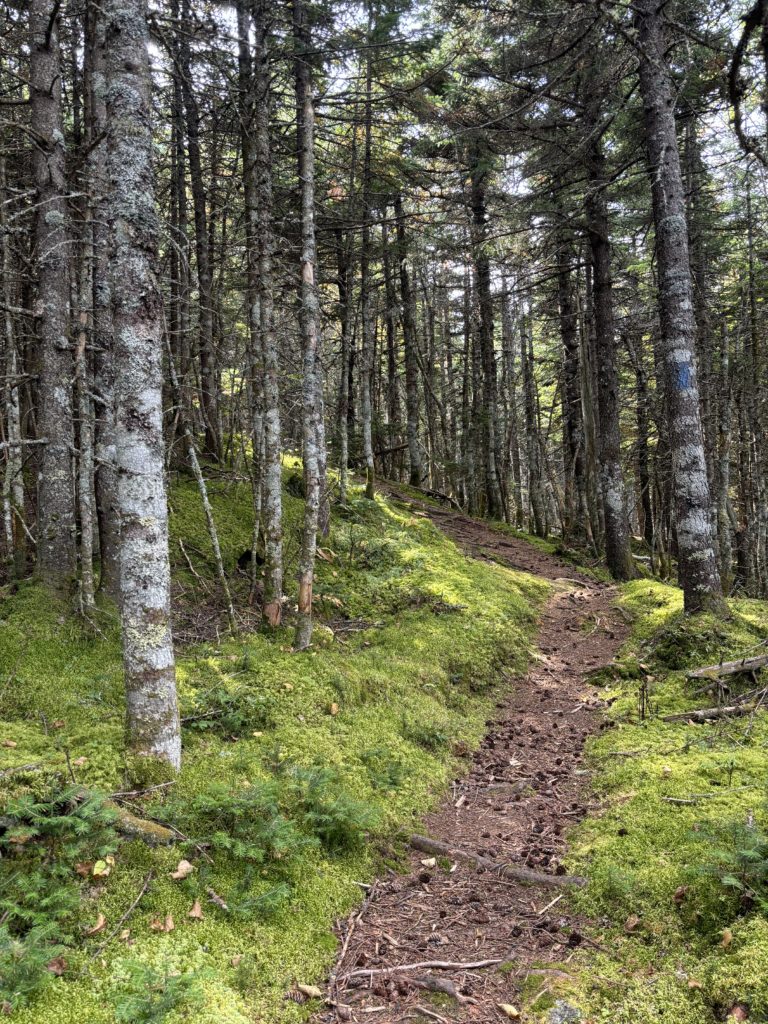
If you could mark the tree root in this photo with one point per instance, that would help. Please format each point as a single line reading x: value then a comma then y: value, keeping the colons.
x: 527, y: 875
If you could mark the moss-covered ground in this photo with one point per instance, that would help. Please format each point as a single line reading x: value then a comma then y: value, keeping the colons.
x: 675, y: 849
x: 366, y: 727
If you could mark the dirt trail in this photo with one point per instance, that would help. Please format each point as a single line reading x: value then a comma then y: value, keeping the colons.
x: 464, y: 915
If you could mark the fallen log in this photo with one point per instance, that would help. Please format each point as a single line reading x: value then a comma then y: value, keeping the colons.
x: 730, y: 668
x: 711, y: 714
x: 518, y: 874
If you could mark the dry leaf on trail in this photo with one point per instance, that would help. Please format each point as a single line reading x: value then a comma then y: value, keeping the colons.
x: 236, y: 960
x: 693, y: 983
x: 738, y: 1012
x: 183, y: 870
x: 101, y: 924
x: 196, y: 913
x: 509, y: 1010
x: 727, y: 938
x: 84, y: 868
x: 125, y: 934
x: 429, y: 862
x: 80, y: 762
x: 57, y: 966
x: 10, y: 744
x: 632, y: 923
x: 334, y: 709
x: 680, y: 893
x: 310, y: 991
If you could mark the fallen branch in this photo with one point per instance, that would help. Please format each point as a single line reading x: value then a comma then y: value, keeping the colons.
x: 711, y: 714
x: 730, y: 668
x: 433, y: 846
x: 435, y: 965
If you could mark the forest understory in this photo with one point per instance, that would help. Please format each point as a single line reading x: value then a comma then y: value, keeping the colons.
x: 417, y: 677
x: 383, y: 511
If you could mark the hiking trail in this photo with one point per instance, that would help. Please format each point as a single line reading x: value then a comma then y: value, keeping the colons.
x: 525, y: 788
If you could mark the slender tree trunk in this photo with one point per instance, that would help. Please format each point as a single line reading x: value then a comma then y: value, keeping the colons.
x: 366, y: 288
x: 309, y: 315
x: 152, y: 717
x: 257, y: 169
x: 618, y: 553
x: 416, y: 469
x: 56, y: 541
x: 209, y: 390
x: 486, y: 338
x: 105, y: 478
x: 13, y: 482
x: 573, y: 426
x: 698, y: 571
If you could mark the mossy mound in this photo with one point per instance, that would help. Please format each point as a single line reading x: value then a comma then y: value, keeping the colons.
x: 685, y: 945
x: 352, y: 738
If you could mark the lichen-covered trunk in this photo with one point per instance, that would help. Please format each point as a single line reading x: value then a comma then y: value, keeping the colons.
x: 698, y: 571
x: 618, y: 554
x: 309, y: 315
x: 152, y: 717
x: 257, y: 173
x: 56, y: 544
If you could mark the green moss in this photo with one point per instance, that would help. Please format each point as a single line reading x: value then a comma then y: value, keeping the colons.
x: 662, y: 788
x: 434, y: 634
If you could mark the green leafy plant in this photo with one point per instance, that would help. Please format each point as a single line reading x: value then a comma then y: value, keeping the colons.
x: 150, y: 995
x: 326, y: 810
x: 246, y: 823
x: 738, y: 858
x: 384, y: 770
x: 24, y: 966
x: 425, y: 734
x: 43, y: 840
x: 231, y: 712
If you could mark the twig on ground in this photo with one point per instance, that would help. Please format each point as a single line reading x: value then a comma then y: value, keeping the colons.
x: 126, y: 915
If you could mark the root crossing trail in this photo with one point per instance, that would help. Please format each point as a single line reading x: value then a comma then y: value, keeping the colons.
x: 526, y: 787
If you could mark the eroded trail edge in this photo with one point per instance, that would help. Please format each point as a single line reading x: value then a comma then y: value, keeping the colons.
x: 449, y: 927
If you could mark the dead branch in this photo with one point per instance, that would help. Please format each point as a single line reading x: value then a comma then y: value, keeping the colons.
x: 730, y: 668
x: 433, y: 846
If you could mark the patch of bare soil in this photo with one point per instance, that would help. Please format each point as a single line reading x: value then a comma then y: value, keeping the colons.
x: 526, y: 787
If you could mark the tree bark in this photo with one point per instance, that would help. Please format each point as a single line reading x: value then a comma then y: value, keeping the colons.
x: 152, y: 717
x: 698, y: 571
x: 56, y: 541
x: 309, y: 315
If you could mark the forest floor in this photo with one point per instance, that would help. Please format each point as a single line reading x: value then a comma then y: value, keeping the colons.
x: 526, y: 787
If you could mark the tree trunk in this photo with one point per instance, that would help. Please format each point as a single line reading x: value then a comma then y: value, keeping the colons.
x: 309, y: 315
x: 698, y: 572
x: 257, y: 171
x: 152, y: 717
x: 416, y: 469
x: 209, y: 390
x: 56, y: 542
